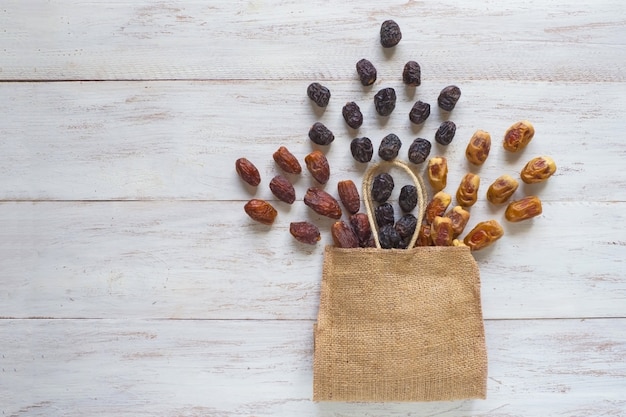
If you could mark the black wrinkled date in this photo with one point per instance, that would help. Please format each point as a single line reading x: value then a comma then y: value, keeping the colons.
x: 319, y: 94
x: 448, y: 97
x: 419, y: 150
x: 384, y: 214
x: 408, y: 198
x: 382, y: 186
x: 445, y: 133
x: 390, y: 34
x: 362, y: 149
x: 366, y: 71
x: 385, y: 101
x: 389, y: 147
x: 352, y: 115
x: 388, y: 237
x: 320, y: 134
x: 420, y: 112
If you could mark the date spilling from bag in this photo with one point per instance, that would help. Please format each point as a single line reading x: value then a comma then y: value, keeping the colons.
x: 446, y: 213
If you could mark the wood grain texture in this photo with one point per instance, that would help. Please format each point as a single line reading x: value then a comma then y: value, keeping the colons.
x: 190, y: 260
x: 263, y: 368
x: 179, y: 140
x: 177, y: 39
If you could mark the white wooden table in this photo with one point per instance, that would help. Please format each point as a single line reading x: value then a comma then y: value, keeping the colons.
x: 133, y: 284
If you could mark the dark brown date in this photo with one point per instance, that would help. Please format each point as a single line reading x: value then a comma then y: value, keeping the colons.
x: 317, y: 164
x: 445, y: 133
x: 319, y: 94
x: 283, y: 189
x: 408, y: 198
x: 305, y: 232
x: 384, y: 214
x: 412, y: 74
x: 419, y: 112
x: 382, y: 186
x: 448, y: 97
x: 320, y: 134
x: 349, y: 196
x: 366, y: 71
x: 322, y: 203
x: 385, y: 101
x: 286, y: 161
x: 343, y: 235
x: 419, y: 150
x: 362, y: 149
x: 390, y: 34
x: 389, y: 147
x: 247, y: 171
x: 352, y: 115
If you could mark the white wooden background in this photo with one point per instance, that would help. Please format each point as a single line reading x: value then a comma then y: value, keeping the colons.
x: 133, y: 284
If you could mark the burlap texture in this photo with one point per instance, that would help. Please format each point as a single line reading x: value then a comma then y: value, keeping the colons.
x: 399, y: 325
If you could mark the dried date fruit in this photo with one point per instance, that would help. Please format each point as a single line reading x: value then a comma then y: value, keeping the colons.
x: 538, y: 170
x: 408, y: 198
x: 441, y: 233
x: 412, y: 74
x: 419, y: 150
x: 305, y: 232
x: 261, y: 211
x: 366, y: 71
x: 283, y: 189
x: 389, y: 147
x: 445, y: 133
x: 437, y: 206
x: 448, y: 97
x: 478, y: 147
x: 382, y: 186
x: 483, y: 235
x: 419, y: 112
x: 362, y: 229
x: 352, y: 115
x: 317, y: 165
x: 390, y: 34
x: 438, y: 173
x: 343, y: 235
x: 319, y: 94
x: 518, y: 136
x: 247, y: 171
x: 502, y: 189
x: 388, y: 237
x: 286, y: 161
x: 405, y: 226
x: 459, y: 217
x: 524, y: 209
x: 385, y: 101
x: 362, y: 149
x: 384, y: 215
x: 322, y: 203
x: 423, y: 237
x: 349, y: 196
x: 320, y: 134
x: 467, y: 193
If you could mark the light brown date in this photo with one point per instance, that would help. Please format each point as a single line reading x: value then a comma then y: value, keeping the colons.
x: 286, y: 161
x: 247, y: 171
x: 322, y: 203
x: 261, y: 211
x: 441, y: 232
x: 524, y: 209
x: 518, y: 136
x: 305, y: 232
x: 538, y: 170
x: 423, y: 237
x: 343, y: 235
x: 459, y: 217
x: 438, y: 173
x: 478, y: 147
x: 283, y: 189
x: 437, y: 206
x: 467, y: 193
x: 483, y: 235
x: 502, y: 189
x: 349, y: 196
x: 317, y: 164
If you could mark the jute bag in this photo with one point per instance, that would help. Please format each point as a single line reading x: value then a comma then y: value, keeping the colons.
x: 399, y: 324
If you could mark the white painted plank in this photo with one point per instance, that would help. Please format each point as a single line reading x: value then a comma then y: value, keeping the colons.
x: 191, y: 260
x: 179, y: 140
x: 264, y: 368
x: 278, y: 39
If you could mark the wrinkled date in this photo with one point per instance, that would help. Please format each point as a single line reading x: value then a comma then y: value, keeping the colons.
x: 362, y: 229
x: 390, y: 34
x: 320, y: 134
x: 349, y: 196
x: 305, y: 232
x: 247, y: 171
x: 483, y: 235
x: 382, y: 186
x: 467, y: 193
x: 366, y: 71
x: 459, y: 217
x: 389, y: 147
x: 437, y: 206
x: 445, y: 133
x: 362, y: 149
x: 322, y: 203
x: 352, y: 115
x: 502, y: 189
x: 388, y: 237
x: 408, y: 198
x: 438, y: 173
x: 412, y: 74
x: 319, y: 94
x: 419, y: 112
x: 261, y: 211
x: 441, y: 233
x: 405, y: 226
x: 317, y: 164
x: 343, y: 235
x: 423, y: 237
x: 524, y: 209
x: 518, y: 136
x: 448, y: 97
x: 538, y: 170
x: 384, y: 214
x: 419, y: 150
x: 286, y: 161
x: 385, y: 101
x: 283, y: 189
x: 478, y: 147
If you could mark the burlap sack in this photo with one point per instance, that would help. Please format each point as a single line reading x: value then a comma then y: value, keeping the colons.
x: 399, y: 325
